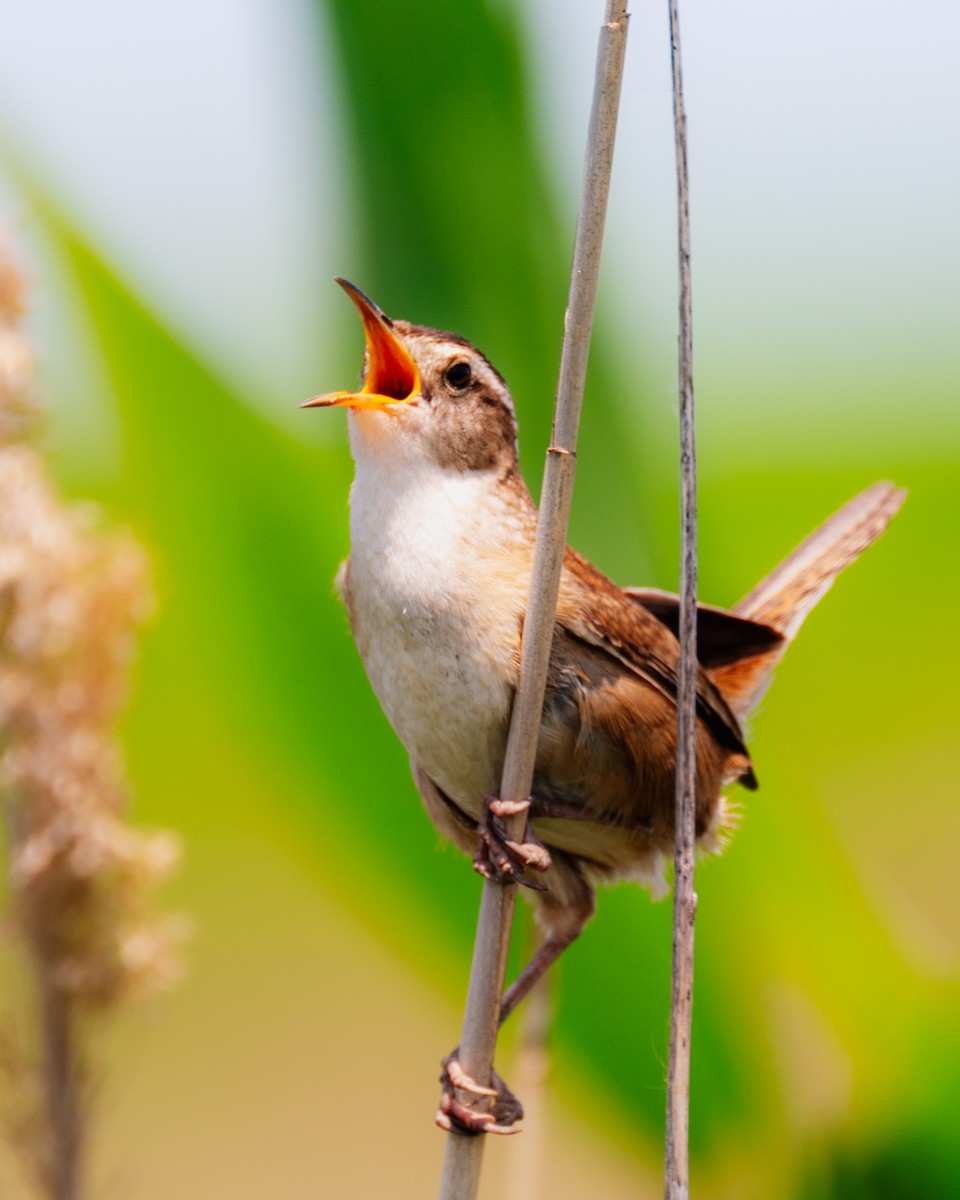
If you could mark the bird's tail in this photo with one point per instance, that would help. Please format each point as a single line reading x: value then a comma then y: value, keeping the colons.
x: 783, y: 599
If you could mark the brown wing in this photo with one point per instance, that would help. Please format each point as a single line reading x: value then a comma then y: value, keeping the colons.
x: 722, y: 637
x: 598, y: 613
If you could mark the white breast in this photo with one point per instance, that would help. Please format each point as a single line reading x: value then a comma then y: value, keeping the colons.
x: 435, y: 599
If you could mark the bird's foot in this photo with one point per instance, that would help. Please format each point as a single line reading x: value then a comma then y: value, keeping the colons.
x: 455, y: 1116
x: 498, y: 857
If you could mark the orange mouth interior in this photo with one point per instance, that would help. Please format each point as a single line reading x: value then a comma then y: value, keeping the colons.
x: 392, y: 376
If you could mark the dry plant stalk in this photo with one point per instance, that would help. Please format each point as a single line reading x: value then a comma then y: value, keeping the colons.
x: 676, y: 1165
x: 78, y: 935
x: 461, y: 1168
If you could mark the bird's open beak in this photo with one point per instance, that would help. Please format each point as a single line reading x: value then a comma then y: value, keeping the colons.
x: 392, y: 375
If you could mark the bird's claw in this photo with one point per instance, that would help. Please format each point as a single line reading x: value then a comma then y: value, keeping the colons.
x: 506, y: 808
x: 456, y: 1117
x: 458, y: 1077
x: 500, y: 858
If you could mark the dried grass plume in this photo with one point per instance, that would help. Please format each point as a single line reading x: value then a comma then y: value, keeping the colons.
x: 79, y: 933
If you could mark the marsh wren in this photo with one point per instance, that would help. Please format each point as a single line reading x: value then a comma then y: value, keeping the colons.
x: 442, y: 531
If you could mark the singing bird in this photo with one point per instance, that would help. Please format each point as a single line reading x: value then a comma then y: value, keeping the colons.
x: 442, y: 530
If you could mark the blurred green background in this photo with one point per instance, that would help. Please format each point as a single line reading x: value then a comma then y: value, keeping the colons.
x: 184, y: 181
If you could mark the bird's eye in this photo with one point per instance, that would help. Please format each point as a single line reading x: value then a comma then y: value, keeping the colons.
x: 458, y: 374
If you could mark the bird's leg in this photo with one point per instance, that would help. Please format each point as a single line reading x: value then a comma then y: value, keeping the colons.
x: 505, y: 1109
x: 500, y: 858
x: 544, y: 958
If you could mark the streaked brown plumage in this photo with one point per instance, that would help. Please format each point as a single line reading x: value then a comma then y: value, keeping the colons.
x: 442, y: 531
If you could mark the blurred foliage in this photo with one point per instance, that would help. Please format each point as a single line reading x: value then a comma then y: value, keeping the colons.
x: 826, y: 1028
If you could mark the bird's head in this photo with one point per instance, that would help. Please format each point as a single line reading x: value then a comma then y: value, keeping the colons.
x: 428, y: 395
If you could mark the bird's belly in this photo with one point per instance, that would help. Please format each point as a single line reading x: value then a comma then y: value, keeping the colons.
x: 443, y: 677
x: 607, y: 853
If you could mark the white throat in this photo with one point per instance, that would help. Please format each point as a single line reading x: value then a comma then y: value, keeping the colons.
x: 436, y: 597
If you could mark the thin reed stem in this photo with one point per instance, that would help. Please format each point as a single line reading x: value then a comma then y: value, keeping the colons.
x: 462, y: 1161
x: 676, y: 1164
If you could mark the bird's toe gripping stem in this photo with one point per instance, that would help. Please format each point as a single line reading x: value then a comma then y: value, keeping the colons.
x: 454, y: 1115
x: 500, y: 858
